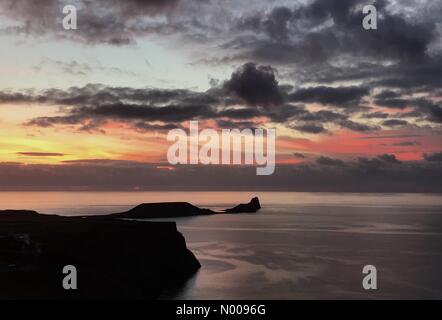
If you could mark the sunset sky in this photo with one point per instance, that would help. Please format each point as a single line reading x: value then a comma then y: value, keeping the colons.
x: 92, y: 107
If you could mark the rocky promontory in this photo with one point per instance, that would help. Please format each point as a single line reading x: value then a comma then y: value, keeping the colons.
x: 163, y: 210
x: 251, y: 207
x: 181, y: 209
x: 113, y: 258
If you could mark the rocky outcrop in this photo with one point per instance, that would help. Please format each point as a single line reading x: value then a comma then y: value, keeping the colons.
x: 114, y: 258
x: 251, y: 207
x: 163, y: 210
x: 180, y: 209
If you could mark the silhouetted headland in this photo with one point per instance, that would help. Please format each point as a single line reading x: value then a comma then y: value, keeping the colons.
x: 251, y: 207
x: 181, y: 209
x: 163, y: 210
x: 114, y: 257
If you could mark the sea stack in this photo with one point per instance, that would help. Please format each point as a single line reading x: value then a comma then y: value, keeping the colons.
x: 251, y: 207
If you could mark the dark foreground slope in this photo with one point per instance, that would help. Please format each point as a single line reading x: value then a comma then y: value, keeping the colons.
x: 114, y: 258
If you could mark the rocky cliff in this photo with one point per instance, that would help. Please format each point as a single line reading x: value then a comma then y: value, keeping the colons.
x: 114, y: 258
x: 251, y: 207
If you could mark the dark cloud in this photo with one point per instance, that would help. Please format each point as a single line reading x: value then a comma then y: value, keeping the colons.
x: 45, y: 122
x: 431, y: 110
x: 93, y: 105
x: 392, y: 103
x: 170, y: 113
x: 252, y: 93
x: 370, y: 166
x: 276, y: 24
x: 313, y: 122
x: 142, y: 116
x: 387, y: 94
x: 40, y: 154
x: 299, y: 155
x: 112, y: 22
x: 227, y: 124
x: 314, y: 32
x: 390, y: 158
x: 434, y: 157
x: 395, y: 123
x: 144, y: 126
x: 323, y: 116
x: 140, y: 7
x: 417, y: 77
x: 310, y: 128
x: 322, y: 42
x: 364, y: 175
x: 356, y: 126
x: 325, y: 161
x: 406, y: 143
x: 255, y: 85
x: 239, y: 113
x: 339, y: 97
x: 104, y: 162
x: 376, y: 115
x: 323, y: 29
x: 80, y: 69
x: 389, y: 136
x: 287, y: 112
x: 421, y: 110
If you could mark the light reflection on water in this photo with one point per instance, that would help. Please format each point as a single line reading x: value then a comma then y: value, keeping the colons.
x: 315, y: 252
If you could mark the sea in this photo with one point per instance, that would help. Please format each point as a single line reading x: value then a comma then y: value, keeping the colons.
x: 298, y: 246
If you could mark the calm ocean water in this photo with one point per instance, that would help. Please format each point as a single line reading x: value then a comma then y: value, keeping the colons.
x: 299, y: 246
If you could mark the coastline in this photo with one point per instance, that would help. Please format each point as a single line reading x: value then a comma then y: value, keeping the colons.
x: 116, y: 256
